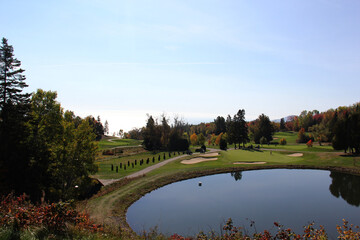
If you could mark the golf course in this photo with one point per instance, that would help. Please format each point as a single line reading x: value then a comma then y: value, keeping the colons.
x: 110, y: 205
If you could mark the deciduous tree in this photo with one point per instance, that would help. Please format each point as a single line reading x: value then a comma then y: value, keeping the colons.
x: 194, y: 139
x: 201, y: 139
x: 262, y: 127
x: 63, y: 150
x: 218, y: 138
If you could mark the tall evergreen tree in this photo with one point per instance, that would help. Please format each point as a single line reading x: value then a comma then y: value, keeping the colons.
x: 239, y: 128
x: 346, y: 132
x: 165, y: 132
x: 282, y: 124
x: 14, y: 110
x: 97, y: 127
x: 106, y: 127
x: 220, y: 125
x: 12, y: 81
x: 152, y: 135
x: 230, y: 131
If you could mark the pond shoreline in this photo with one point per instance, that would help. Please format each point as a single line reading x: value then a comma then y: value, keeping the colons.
x: 123, y: 203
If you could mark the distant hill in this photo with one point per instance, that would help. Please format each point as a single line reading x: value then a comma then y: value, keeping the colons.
x: 288, y: 118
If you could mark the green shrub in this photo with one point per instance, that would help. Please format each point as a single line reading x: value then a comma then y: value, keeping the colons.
x: 223, y: 144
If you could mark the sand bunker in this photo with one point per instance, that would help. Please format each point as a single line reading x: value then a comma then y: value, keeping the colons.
x: 197, y: 160
x: 209, y: 155
x: 252, y: 163
x: 296, y: 155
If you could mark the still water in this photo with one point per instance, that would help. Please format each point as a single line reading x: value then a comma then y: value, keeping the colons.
x: 293, y: 198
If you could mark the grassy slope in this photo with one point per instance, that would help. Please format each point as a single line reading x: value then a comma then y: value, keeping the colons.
x: 111, y: 142
x: 293, y: 146
x: 289, y: 136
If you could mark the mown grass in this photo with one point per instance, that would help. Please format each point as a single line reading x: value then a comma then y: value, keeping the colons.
x: 104, y: 166
x: 300, y: 148
x: 291, y: 144
x: 275, y: 158
x: 112, y: 142
x: 289, y: 136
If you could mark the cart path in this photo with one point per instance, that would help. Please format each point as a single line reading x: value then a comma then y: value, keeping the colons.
x: 150, y: 168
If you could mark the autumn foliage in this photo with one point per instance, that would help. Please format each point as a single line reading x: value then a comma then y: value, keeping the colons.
x: 283, y: 141
x: 218, y: 138
x: 194, y: 139
x: 345, y: 231
x: 54, y: 217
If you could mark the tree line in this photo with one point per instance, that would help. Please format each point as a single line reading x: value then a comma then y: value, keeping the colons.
x: 159, y: 135
x: 340, y: 127
x: 44, y: 150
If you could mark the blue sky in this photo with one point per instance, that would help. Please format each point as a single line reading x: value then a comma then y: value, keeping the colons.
x: 195, y: 59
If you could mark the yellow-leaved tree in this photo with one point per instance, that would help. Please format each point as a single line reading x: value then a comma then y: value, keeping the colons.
x: 193, y: 139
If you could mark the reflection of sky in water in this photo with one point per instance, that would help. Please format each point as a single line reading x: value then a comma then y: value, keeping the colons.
x: 292, y: 197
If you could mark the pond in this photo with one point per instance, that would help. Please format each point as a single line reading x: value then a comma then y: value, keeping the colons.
x: 293, y: 198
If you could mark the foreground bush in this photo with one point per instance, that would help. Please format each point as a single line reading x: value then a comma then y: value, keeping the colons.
x: 18, y: 215
x: 345, y: 231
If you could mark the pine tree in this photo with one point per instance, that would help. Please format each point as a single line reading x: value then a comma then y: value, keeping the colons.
x: 106, y: 128
x: 238, y: 131
x: 282, y: 124
x: 220, y: 125
x: 12, y: 81
x: 14, y: 109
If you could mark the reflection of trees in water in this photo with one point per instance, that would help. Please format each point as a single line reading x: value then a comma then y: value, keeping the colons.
x: 347, y: 186
x: 237, y: 175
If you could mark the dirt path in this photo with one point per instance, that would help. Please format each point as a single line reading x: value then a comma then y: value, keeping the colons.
x: 150, y: 168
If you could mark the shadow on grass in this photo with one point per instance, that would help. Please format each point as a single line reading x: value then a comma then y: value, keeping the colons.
x: 350, y: 155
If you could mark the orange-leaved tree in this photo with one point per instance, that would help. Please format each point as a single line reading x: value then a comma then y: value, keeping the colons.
x: 218, y: 138
x: 194, y: 139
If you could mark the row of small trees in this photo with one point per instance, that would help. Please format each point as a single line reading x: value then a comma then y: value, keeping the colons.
x: 141, y: 162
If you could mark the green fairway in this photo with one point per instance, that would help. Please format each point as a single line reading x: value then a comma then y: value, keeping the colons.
x: 289, y: 136
x: 112, y: 142
x: 300, y: 148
